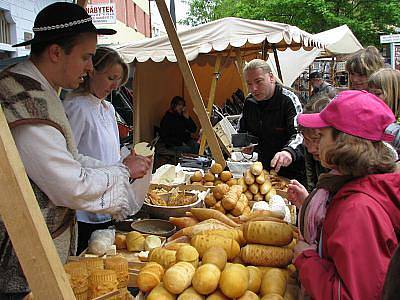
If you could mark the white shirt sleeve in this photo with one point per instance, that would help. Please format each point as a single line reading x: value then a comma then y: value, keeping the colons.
x: 66, y: 181
x: 90, y: 162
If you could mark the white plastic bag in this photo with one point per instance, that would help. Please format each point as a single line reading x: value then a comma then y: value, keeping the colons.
x: 100, y: 241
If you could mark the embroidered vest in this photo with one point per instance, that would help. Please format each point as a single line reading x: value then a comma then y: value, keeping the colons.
x: 24, y: 101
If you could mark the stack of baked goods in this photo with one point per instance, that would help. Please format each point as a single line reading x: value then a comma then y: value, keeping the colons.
x: 120, y: 266
x: 135, y: 241
x: 102, y: 282
x: 93, y: 277
x: 216, y: 257
x: 259, y: 184
x: 228, y: 199
x: 78, y: 278
x: 213, y: 177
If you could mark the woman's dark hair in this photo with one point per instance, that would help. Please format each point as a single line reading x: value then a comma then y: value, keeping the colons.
x: 66, y: 43
x: 176, y: 101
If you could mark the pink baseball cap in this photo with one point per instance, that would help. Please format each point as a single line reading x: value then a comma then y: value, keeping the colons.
x: 358, y: 113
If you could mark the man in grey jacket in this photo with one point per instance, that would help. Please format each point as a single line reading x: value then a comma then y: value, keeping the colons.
x: 320, y: 86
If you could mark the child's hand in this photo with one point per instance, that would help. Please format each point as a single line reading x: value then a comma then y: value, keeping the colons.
x: 302, y: 246
x: 297, y: 193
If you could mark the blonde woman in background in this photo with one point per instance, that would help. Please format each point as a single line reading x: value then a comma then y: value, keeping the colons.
x: 94, y: 125
x: 361, y: 65
x: 385, y: 83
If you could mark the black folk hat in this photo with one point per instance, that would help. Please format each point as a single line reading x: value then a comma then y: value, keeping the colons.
x: 62, y: 19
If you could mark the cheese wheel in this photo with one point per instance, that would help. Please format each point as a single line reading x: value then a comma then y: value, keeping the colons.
x: 143, y: 150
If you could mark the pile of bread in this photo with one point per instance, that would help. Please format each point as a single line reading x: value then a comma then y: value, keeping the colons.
x: 135, y: 241
x: 228, y: 199
x: 220, y: 259
x: 93, y: 277
x: 213, y: 177
x: 235, y: 197
x: 259, y: 184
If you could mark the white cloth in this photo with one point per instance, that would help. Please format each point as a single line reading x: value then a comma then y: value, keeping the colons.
x: 83, y: 183
x: 95, y: 131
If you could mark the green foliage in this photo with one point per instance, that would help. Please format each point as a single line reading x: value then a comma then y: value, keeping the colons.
x: 366, y: 18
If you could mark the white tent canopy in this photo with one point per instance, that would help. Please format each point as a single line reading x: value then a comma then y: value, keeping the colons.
x: 293, y: 63
x: 337, y: 41
x: 218, y: 36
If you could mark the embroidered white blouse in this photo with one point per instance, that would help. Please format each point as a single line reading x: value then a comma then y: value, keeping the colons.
x: 95, y: 131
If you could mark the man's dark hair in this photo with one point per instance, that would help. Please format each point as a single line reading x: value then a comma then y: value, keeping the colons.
x: 176, y: 101
x: 66, y: 43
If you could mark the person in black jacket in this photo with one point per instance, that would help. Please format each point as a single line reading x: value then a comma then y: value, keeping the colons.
x: 177, y: 126
x: 270, y: 113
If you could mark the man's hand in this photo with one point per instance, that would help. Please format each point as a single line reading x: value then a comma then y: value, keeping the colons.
x: 281, y: 159
x: 297, y: 193
x: 137, y: 165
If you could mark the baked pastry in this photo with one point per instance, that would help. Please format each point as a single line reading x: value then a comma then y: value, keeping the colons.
x: 150, y: 276
x: 120, y: 241
x: 78, y: 277
x: 102, y: 282
x: 188, y: 254
x: 93, y: 263
x: 120, y: 266
x: 135, y: 241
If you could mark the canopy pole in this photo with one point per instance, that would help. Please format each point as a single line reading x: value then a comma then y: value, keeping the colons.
x: 240, y: 66
x: 332, y: 73
x: 19, y: 209
x: 309, y: 82
x: 278, y: 66
x: 136, y: 109
x: 211, y: 98
x: 191, y: 84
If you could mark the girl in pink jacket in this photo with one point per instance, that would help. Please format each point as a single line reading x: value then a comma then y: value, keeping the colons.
x: 362, y: 222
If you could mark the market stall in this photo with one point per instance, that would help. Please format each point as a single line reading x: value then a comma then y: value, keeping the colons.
x: 109, y: 273
x: 231, y: 40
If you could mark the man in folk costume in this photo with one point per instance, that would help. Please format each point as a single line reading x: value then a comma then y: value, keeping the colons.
x: 63, y: 180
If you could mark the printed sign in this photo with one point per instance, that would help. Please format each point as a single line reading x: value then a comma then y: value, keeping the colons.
x: 391, y: 38
x: 102, y: 13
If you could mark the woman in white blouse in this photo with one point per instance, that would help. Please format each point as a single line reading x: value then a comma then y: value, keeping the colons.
x: 94, y: 125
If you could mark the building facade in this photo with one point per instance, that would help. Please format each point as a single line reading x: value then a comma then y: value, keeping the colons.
x: 17, y: 17
x: 132, y: 21
x: 16, y: 22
